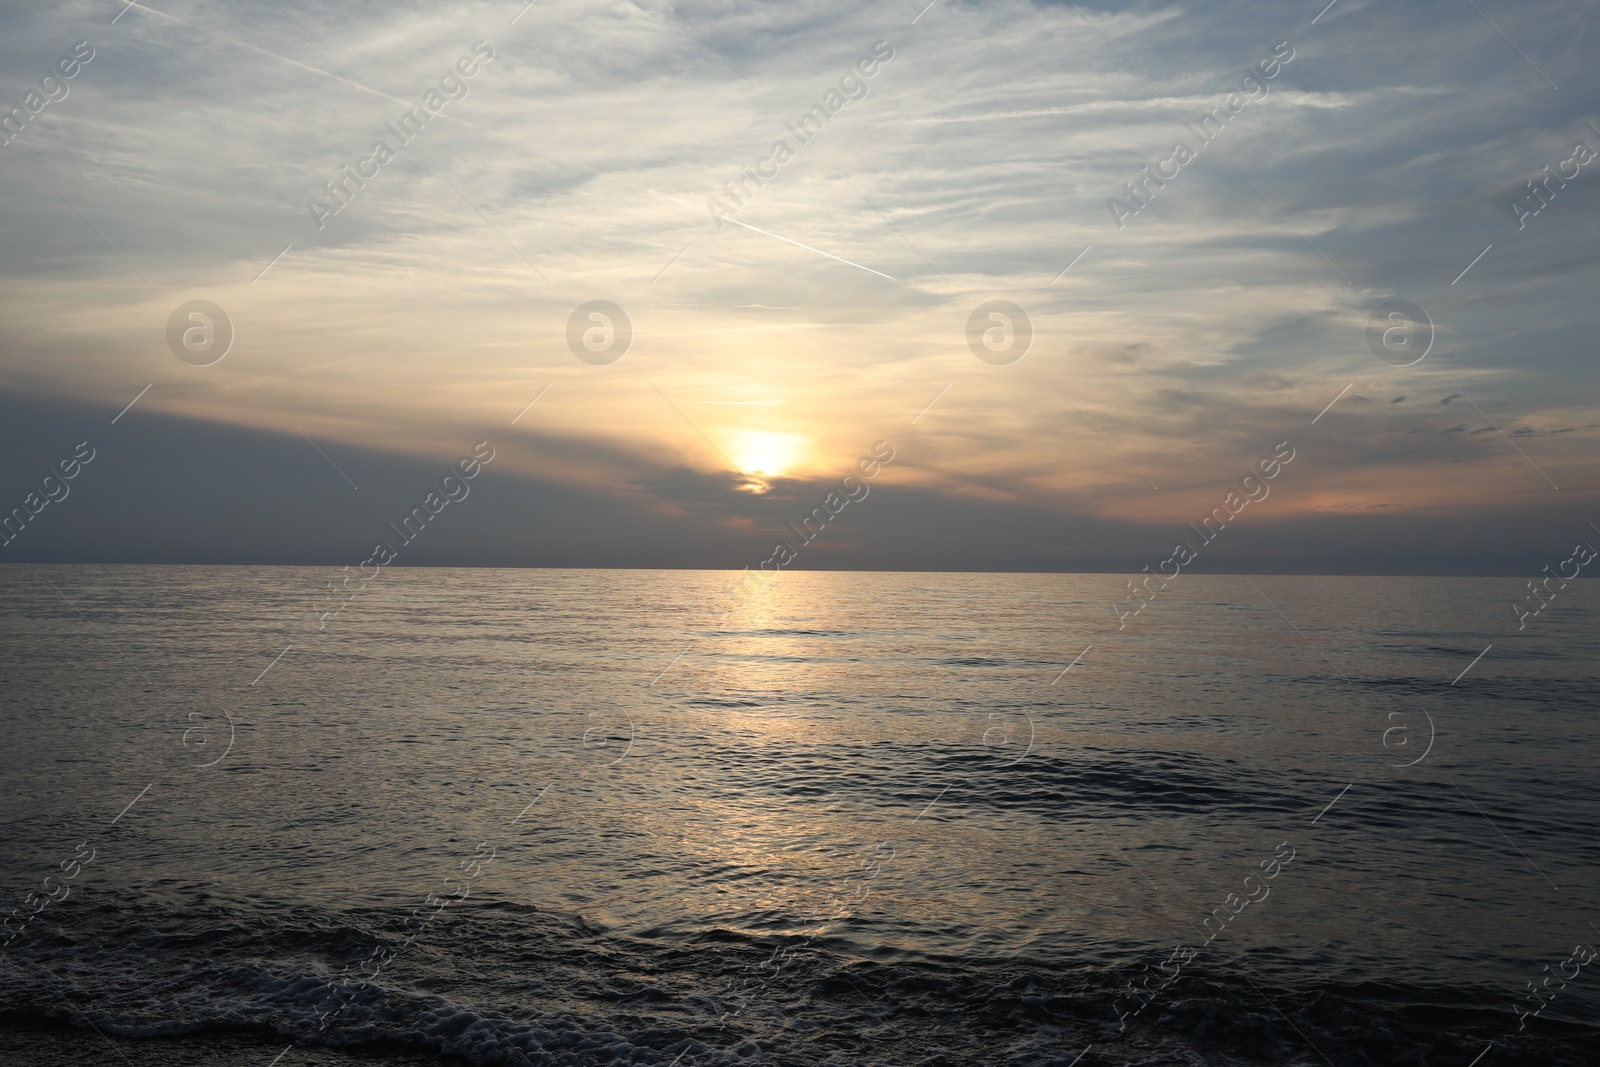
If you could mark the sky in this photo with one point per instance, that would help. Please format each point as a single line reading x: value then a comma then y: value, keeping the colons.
x: 355, y: 345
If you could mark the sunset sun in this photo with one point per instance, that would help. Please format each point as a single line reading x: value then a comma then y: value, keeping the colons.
x: 763, y: 452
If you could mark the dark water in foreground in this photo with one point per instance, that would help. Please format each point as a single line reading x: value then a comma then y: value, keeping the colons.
x: 562, y: 817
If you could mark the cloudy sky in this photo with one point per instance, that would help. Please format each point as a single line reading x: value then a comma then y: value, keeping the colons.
x: 378, y: 336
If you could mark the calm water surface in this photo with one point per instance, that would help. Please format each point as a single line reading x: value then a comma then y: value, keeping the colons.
x: 510, y: 816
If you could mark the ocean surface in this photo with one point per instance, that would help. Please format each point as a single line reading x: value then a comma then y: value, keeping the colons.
x: 588, y: 817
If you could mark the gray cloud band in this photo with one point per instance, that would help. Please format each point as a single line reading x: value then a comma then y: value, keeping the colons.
x: 1539, y: 590
x: 452, y: 488
x: 1213, y: 524
x: 52, y: 488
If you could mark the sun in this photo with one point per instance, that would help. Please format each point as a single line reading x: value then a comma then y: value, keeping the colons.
x: 765, y: 453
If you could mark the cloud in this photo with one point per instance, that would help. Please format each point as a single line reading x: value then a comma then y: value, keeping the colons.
x: 431, y: 308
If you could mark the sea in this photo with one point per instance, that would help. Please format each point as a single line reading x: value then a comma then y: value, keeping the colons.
x: 500, y: 816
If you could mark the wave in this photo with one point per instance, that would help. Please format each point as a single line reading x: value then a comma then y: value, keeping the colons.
x: 500, y: 983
